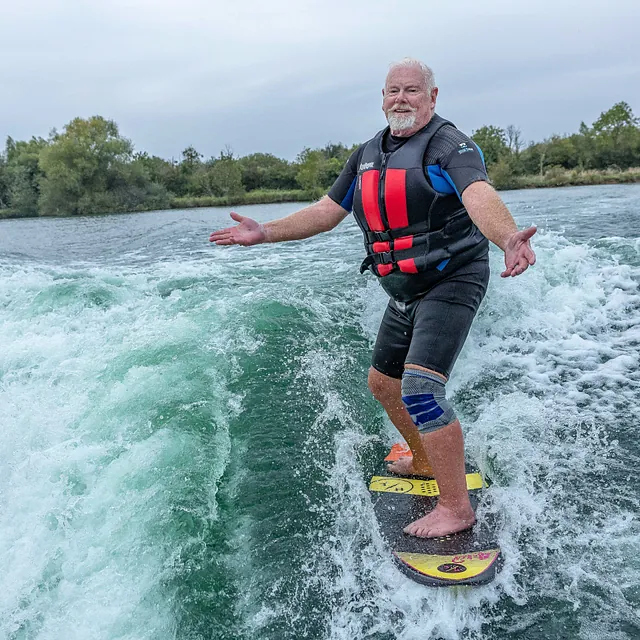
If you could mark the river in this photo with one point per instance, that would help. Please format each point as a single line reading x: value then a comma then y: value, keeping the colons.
x: 187, y: 432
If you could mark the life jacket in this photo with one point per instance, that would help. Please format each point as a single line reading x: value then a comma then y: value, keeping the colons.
x: 407, y: 224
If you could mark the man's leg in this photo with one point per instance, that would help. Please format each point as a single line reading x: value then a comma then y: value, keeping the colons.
x: 387, y: 391
x: 453, y: 512
x: 441, y: 323
x: 385, y: 380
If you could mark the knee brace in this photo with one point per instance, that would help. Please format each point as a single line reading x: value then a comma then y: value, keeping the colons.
x: 423, y: 394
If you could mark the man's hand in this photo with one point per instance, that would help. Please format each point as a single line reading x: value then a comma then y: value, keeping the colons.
x: 518, y: 254
x: 247, y: 233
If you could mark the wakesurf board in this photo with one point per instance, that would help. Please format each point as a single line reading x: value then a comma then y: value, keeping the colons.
x: 471, y: 557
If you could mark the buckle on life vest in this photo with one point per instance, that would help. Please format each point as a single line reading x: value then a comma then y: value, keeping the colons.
x: 366, y: 264
x: 385, y: 257
x: 378, y: 258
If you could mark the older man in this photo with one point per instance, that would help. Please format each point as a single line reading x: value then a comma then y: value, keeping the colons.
x: 420, y: 193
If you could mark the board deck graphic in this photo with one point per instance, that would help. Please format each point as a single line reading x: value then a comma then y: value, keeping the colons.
x: 470, y: 557
x: 455, y: 568
x: 395, y: 484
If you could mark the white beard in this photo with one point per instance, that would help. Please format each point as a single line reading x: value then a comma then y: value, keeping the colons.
x: 400, y: 121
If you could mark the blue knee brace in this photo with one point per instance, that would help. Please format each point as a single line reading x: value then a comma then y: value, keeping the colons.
x: 424, y: 397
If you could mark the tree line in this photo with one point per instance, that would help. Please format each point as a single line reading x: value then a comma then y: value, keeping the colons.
x: 611, y: 143
x: 89, y: 167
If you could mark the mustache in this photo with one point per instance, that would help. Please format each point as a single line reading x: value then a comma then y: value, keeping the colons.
x: 404, y: 107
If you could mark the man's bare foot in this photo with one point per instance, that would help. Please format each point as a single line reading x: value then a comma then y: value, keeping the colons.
x: 441, y: 522
x: 405, y: 467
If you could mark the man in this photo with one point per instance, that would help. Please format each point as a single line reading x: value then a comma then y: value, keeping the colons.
x: 420, y: 193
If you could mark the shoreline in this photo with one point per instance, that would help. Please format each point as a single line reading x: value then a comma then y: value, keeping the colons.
x: 553, y: 178
x: 557, y: 177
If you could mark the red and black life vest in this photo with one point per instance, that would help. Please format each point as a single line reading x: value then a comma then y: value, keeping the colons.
x: 407, y: 224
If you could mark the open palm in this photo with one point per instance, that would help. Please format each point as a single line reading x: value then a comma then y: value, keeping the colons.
x: 248, y: 232
x: 518, y: 254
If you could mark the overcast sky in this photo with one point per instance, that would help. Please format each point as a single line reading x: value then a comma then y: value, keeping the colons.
x: 278, y: 75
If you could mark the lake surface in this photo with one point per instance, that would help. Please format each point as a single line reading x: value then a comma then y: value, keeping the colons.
x: 187, y: 432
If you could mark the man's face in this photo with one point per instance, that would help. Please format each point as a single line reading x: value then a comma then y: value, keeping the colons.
x: 405, y: 101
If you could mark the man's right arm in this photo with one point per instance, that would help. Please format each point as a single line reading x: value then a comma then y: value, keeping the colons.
x: 316, y: 218
x: 321, y: 216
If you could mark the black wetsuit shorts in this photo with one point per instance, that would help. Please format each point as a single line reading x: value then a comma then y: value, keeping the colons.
x: 431, y: 330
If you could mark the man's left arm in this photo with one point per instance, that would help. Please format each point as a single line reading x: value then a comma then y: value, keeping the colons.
x: 491, y: 216
x: 464, y: 168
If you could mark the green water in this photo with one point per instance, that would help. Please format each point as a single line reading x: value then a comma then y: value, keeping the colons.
x: 187, y: 433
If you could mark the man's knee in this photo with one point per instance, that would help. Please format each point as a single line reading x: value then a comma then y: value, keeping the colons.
x: 425, y: 398
x: 381, y: 386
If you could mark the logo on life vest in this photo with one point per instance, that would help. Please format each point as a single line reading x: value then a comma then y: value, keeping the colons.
x: 366, y: 165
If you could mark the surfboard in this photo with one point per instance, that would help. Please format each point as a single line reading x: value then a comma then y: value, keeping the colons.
x: 471, y: 557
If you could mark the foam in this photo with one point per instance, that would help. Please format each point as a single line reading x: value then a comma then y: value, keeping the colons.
x: 91, y: 472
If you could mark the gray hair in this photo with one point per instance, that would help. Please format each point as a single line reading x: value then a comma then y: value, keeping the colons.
x: 427, y: 72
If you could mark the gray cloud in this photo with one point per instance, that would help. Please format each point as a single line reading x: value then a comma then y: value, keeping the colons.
x: 282, y: 76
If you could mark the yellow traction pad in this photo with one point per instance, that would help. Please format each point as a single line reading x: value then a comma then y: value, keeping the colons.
x: 456, y: 567
x: 386, y: 484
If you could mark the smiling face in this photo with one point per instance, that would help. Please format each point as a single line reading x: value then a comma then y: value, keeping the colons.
x: 406, y: 100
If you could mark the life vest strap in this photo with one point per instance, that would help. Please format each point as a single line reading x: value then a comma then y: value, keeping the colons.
x: 385, y: 257
x: 392, y: 234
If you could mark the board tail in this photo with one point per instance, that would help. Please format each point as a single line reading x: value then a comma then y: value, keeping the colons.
x: 471, y: 568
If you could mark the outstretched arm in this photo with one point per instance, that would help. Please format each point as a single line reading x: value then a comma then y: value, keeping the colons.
x: 491, y: 216
x: 320, y: 216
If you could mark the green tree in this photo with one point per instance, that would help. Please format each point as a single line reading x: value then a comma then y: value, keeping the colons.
x: 266, y: 171
x: 316, y: 172
x: 493, y: 142
x: 616, y: 119
x: 4, y: 183
x: 89, y: 168
x: 535, y: 158
x: 163, y: 172
x: 338, y: 151
x: 24, y: 174
x: 191, y: 160
x: 192, y: 171
x: 225, y: 177
x: 616, y: 137
x: 502, y: 173
x: 561, y: 152
x: 219, y: 177
x: 584, y: 144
